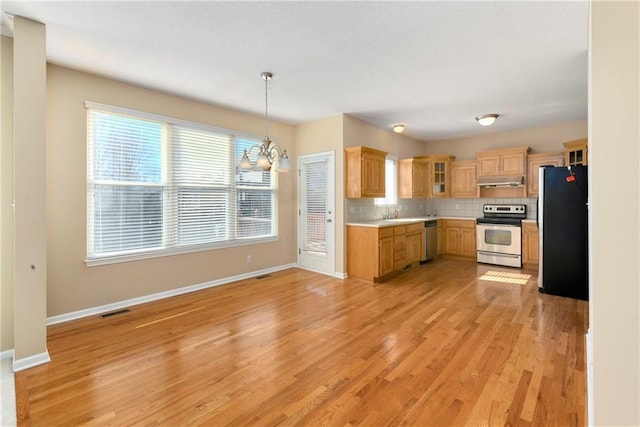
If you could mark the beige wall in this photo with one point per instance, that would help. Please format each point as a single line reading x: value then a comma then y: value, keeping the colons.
x: 540, y: 139
x: 614, y: 199
x: 318, y: 137
x: 6, y: 194
x: 358, y: 132
x: 29, y: 127
x: 72, y: 285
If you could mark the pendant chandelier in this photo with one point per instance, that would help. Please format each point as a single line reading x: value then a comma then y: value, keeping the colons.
x: 270, y: 156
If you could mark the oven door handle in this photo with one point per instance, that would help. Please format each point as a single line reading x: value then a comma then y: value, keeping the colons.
x: 499, y: 254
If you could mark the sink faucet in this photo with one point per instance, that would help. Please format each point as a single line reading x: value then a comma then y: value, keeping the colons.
x: 390, y: 212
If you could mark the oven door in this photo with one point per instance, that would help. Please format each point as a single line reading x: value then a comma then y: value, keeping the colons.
x: 499, y: 239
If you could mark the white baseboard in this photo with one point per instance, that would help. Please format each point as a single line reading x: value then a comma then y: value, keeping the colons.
x: 335, y: 274
x: 7, y: 354
x: 31, y: 361
x: 160, y: 295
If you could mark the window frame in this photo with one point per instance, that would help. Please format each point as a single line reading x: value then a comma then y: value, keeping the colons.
x: 391, y: 183
x: 169, y: 186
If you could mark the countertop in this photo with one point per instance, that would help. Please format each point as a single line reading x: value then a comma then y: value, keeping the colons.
x: 379, y: 223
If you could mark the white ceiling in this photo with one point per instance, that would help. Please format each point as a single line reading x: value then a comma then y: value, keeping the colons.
x: 431, y: 65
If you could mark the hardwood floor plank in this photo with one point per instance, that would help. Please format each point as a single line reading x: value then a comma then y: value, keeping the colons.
x: 441, y: 344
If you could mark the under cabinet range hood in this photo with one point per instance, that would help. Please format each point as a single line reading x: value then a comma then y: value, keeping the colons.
x: 501, y: 181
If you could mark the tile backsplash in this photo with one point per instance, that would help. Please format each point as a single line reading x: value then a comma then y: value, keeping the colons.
x: 364, y: 209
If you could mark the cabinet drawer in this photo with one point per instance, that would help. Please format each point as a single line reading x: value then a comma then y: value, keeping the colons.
x: 399, y: 230
x: 385, y: 232
x: 415, y: 228
x: 460, y: 223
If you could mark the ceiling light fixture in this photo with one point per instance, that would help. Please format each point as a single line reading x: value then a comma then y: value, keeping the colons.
x: 487, y: 119
x: 398, y: 128
x: 269, y: 154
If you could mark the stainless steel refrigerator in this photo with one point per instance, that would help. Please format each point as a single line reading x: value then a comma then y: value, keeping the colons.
x: 563, y: 231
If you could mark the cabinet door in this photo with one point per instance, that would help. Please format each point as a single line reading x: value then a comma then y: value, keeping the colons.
x: 512, y: 164
x: 530, y: 248
x: 414, y: 247
x: 372, y: 175
x: 576, y: 152
x: 468, y: 242
x: 439, y: 179
x: 419, y: 178
x: 451, y: 240
x: 412, y: 178
x: 386, y: 256
x: 440, y: 237
x: 533, y: 169
x: 463, y: 179
x: 488, y: 165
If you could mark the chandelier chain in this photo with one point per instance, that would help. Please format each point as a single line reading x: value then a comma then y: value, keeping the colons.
x: 266, y: 76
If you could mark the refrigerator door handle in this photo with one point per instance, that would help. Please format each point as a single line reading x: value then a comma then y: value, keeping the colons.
x: 540, y: 222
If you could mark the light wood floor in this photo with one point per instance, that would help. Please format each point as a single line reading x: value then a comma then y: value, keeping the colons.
x: 437, y: 346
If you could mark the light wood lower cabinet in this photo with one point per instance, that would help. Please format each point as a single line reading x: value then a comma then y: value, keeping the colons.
x: 397, y: 246
x: 530, y: 248
x: 459, y: 237
x: 414, y: 242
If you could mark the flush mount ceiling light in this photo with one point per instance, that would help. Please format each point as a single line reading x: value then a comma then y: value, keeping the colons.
x: 398, y: 128
x: 269, y: 154
x: 487, y: 119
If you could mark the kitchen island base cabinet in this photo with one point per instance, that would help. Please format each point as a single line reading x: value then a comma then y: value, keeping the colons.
x: 373, y: 253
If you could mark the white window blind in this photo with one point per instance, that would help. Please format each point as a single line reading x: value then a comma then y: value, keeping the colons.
x: 155, y: 186
x: 314, y: 191
x: 390, y: 183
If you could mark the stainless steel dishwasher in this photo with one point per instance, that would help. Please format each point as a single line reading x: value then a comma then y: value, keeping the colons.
x: 429, y: 240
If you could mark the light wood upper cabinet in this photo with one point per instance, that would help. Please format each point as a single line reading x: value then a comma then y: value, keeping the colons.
x: 508, y: 161
x: 530, y: 248
x: 412, y: 178
x: 463, y: 179
x: 364, y: 172
x: 534, y: 162
x: 576, y: 152
x: 438, y: 172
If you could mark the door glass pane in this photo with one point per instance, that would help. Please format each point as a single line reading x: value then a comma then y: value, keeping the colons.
x: 497, y: 237
x: 315, y: 203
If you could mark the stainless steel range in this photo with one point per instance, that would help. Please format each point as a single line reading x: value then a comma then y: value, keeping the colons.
x: 499, y: 235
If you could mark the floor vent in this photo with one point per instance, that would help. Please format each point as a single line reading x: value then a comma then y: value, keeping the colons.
x: 264, y: 276
x: 114, y: 313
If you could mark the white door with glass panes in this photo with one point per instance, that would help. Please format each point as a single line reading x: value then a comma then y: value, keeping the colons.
x: 316, y: 216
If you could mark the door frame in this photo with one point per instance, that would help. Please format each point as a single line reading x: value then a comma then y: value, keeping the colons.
x: 331, y: 230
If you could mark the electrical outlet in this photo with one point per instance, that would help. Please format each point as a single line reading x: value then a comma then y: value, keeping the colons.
x: 457, y: 207
x: 249, y: 259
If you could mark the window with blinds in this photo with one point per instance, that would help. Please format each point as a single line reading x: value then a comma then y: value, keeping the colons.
x: 314, y: 215
x: 159, y: 186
